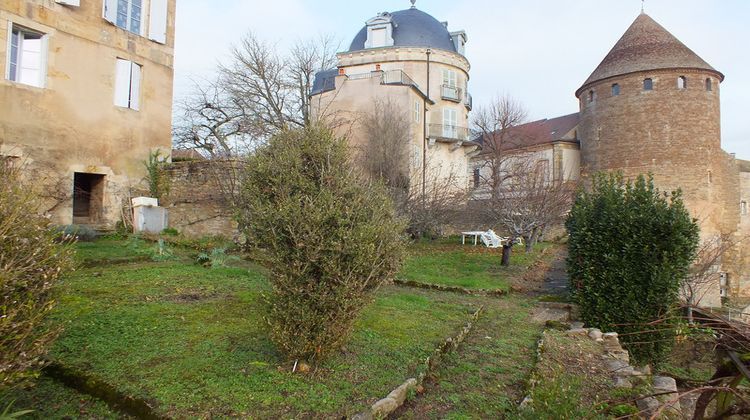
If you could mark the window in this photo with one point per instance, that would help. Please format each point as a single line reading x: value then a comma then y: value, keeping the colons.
x: 126, y: 14
x: 743, y: 208
x: 450, y: 122
x: 128, y: 84
x: 378, y: 37
x: 710, y: 177
x: 542, y: 170
x: 709, y: 85
x: 648, y: 84
x: 615, y: 90
x: 592, y: 96
x: 450, y: 78
x: 417, y: 111
x: 477, y: 177
x: 682, y: 82
x: 450, y: 86
x: 27, y: 61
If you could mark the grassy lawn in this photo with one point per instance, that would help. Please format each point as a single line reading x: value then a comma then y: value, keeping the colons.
x: 191, y: 341
x: 487, y: 376
x: 449, y: 263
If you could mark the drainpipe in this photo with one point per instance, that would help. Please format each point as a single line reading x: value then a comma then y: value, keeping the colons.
x: 424, y: 137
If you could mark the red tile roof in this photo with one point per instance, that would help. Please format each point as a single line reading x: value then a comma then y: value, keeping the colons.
x: 537, y: 133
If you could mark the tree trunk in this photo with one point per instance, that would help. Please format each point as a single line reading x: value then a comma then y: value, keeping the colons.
x: 507, y: 248
x: 528, y: 242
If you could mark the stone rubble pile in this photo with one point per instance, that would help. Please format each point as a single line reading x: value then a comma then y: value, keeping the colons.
x: 617, y: 361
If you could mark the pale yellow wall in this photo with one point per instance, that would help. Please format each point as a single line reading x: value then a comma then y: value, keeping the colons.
x: 353, y: 98
x: 72, y: 125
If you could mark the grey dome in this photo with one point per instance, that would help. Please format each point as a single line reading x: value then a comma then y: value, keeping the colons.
x: 412, y: 28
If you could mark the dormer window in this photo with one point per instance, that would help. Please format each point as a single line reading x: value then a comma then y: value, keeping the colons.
x: 459, y: 40
x: 380, y: 31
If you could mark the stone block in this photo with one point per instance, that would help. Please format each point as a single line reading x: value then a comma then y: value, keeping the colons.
x: 384, y: 407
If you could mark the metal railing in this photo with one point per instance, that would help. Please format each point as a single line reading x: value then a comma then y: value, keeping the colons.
x: 468, y: 101
x: 450, y: 93
x: 448, y: 132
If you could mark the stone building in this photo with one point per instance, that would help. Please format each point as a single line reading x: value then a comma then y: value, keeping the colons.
x: 409, y: 61
x: 85, y: 96
x: 653, y: 106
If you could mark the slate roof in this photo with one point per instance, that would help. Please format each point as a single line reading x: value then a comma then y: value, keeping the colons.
x: 324, y: 81
x: 540, y: 132
x: 646, y: 45
x: 412, y: 28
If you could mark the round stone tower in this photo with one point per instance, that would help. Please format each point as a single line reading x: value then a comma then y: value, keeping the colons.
x: 653, y: 106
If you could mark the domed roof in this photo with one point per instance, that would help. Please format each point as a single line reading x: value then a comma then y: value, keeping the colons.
x: 646, y: 45
x: 412, y: 28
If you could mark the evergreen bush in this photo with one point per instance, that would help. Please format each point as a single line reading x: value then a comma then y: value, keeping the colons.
x: 630, y: 248
x: 33, y: 256
x: 329, y: 238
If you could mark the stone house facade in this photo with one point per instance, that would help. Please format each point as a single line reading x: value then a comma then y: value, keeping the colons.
x: 85, y: 96
x: 411, y: 62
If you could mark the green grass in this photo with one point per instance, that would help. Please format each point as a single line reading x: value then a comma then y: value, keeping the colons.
x: 487, y: 376
x: 467, y: 266
x: 192, y: 340
x: 52, y: 400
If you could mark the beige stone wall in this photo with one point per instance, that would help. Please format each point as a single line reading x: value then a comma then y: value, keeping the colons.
x: 72, y: 125
x: 674, y: 134
x: 195, y: 202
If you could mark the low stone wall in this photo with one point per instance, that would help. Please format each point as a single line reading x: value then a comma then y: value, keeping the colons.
x: 197, y: 206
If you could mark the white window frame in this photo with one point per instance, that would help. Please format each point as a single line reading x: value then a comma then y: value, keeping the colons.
x: 41, y: 82
x: 111, y: 12
x: 417, y: 111
x: 128, y: 81
x: 450, y: 123
x: 450, y: 78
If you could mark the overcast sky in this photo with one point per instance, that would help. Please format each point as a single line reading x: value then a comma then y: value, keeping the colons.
x: 539, y: 51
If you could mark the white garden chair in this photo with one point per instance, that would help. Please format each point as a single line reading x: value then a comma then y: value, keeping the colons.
x: 491, y: 240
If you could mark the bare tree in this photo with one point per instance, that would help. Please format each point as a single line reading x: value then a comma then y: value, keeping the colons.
x: 388, y: 155
x: 705, y: 274
x: 493, y: 125
x: 528, y: 201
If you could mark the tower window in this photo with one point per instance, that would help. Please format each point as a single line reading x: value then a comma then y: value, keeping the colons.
x: 477, y: 177
x: 592, y: 96
x: 648, y: 84
x: 682, y: 82
x: 743, y: 208
x: 709, y: 85
x: 615, y: 90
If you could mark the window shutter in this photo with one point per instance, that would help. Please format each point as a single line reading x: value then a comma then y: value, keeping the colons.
x: 122, y: 83
x: 157, y: 27
x: 110, y: 11
x: 69, y: 2
x: 135, y: 87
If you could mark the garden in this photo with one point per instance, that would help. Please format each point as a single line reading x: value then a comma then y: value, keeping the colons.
x: 175, y: 338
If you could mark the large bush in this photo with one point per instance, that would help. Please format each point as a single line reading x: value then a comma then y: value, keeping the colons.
x: 329, y: 237
x: 630, y: 248
x: 32, y: 259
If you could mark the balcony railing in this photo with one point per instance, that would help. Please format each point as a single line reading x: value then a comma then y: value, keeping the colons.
x: 451, y: 93
x: 468, y: 101
x: 448, y: 132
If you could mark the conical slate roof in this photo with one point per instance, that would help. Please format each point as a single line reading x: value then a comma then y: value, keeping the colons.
x: 646, y: 45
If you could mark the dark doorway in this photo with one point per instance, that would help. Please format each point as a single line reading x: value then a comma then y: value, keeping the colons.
x: 88, y: 198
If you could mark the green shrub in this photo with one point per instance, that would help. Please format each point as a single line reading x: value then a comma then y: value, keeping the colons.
x: 329, y: 238
x: 630, y: 248
x: 32, y: 260
x: 170, y: 232
x: 217, y: 258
